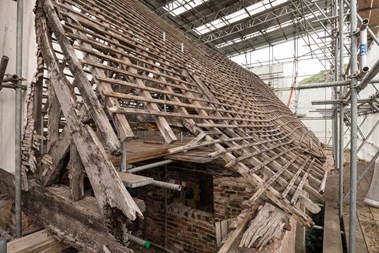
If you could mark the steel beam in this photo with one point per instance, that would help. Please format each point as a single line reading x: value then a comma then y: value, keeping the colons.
x: 335, y: 91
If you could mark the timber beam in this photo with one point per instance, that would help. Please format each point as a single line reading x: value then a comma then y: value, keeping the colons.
x: 76, y: 223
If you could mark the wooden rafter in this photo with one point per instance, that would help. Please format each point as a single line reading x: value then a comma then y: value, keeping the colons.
x: 107, y: 63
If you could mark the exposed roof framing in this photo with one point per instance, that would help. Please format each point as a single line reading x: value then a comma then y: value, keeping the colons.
x: 233, y: 27
x: 112, y: 65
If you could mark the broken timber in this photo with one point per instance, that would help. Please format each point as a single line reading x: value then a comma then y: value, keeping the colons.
x: 107, y: 185
x: 109, y: 72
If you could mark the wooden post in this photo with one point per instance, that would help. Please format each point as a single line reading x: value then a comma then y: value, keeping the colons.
x: 75, y: 167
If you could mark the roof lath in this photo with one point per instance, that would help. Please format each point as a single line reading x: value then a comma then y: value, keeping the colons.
x: 109, y: 62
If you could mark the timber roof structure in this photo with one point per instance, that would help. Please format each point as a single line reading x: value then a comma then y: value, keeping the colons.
x: 109, y: 69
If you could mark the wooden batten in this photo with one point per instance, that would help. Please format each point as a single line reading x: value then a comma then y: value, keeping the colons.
x: 110, y: 73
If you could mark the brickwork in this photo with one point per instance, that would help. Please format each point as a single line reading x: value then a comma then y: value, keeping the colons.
x: 188, y: 229
x: 228, y: 195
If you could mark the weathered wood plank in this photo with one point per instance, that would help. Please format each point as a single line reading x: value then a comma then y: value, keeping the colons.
x: 270, y: 223
x: 88, y: 94
x: 332, y: 242
x: 231, y: 239
x: 37, y: 242
x: 76, y: 223
x: 109, y: 190
x: 132, y: 180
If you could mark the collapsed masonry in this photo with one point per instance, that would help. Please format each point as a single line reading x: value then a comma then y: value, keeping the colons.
x: 112, y: 72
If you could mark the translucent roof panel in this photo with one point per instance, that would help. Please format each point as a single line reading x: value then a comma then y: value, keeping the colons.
x: 178, y: 7
x: 251, y: 10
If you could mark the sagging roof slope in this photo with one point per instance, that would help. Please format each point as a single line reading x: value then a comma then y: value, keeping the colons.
x: 110, y: 61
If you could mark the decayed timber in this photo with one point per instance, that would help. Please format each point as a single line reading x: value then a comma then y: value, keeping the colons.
x: 54, y: 115
x: 117, y: 71
x: 109, y: 190
x: 52, y: 162
x: 77, y: 223
x: 240, y: 224
x: 269, y: 223
x: 76, y: 176
x: 92, y: 103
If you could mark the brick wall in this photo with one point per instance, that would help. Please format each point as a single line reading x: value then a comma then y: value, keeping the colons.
x: 228, y: 195
x: 191, y: 229
x: 188, y: 229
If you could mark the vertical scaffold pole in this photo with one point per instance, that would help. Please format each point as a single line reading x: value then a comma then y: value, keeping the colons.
x: 354, y: 115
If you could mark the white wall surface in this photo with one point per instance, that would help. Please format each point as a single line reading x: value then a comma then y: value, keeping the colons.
x: 7, y: 96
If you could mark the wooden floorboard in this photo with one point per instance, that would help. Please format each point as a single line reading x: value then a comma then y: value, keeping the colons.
x: 332, y: 236
x: 332, y: 242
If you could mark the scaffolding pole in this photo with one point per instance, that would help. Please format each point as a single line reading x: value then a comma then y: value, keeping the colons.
x: 19, y: 38
x: 354, y: 115
x: 341, y: 110
x: 335, y: 90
